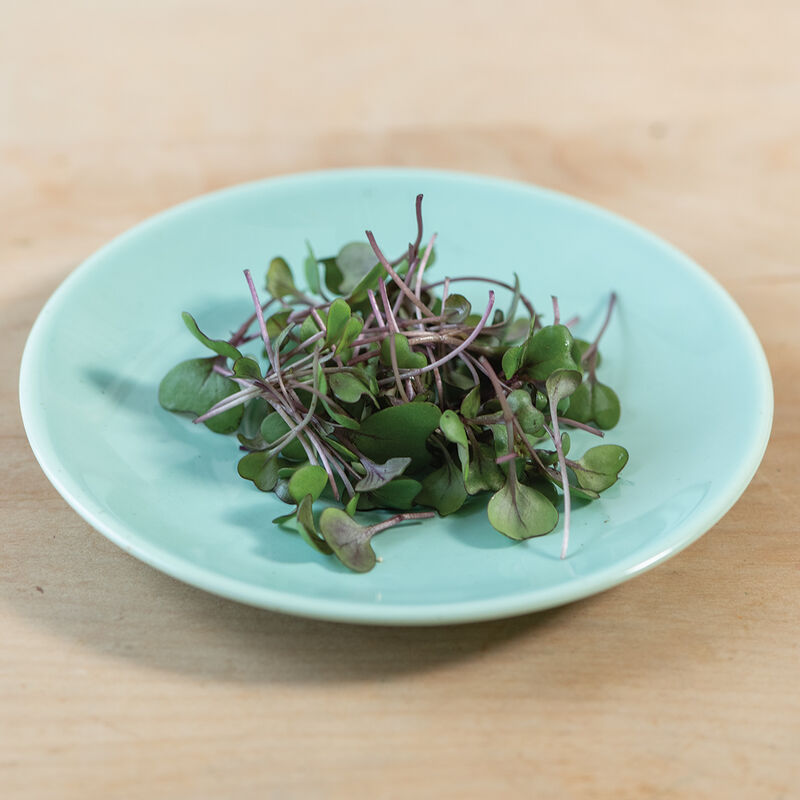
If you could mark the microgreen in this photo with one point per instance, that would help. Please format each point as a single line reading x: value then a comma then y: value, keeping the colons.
x: 374, y: 387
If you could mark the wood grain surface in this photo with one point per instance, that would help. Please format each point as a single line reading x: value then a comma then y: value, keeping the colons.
x: 116, y: 681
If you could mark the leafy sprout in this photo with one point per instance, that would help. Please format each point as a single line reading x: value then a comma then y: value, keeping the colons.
x: 377, y: 388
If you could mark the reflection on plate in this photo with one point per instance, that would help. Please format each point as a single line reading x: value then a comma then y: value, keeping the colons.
x: 696, y: 392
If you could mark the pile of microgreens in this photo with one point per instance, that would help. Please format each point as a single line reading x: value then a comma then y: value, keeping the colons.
x: 373, y: 391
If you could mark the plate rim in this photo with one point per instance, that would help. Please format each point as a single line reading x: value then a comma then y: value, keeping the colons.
x: 464, y: 611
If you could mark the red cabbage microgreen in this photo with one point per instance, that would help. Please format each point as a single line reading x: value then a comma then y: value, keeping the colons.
x: 372, y: 391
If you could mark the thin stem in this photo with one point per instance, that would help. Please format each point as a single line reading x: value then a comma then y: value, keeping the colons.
x: 527, y: 303
x: 590, y: 356
x: 556, y: 437
x: 396, y: 278
x: 397, y: 518
x: 463, y: 346
x: 375, y: 310
x: 582, y: 425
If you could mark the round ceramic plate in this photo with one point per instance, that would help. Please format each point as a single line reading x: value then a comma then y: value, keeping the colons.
x: 693, y: 379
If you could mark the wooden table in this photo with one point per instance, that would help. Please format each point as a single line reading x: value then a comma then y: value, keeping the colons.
x: 116, y: 681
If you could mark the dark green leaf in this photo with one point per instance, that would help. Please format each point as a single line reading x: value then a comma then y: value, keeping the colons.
x: 484, y: 473
x: 193, y: 387
x: 605, y: 406
x: 453, y: 429
x: 443, y: 489
x: 246, y: 367
x: 260, y: 468
x: 512, y: 360
x: 579, y: 347
x: 406, y: 357
x: 346, y: 386
x: 273, y: 428
x: 471, y: 404
x: 280, y: 282
x: 549, y: 349
x: 529, y: 417
x: 338, y: 316
x: 398, y: 431
x: 399, y: 493
x: 219, y: 346
x: 277, y: 322
x: 580, y: 403
x: 306, y: 527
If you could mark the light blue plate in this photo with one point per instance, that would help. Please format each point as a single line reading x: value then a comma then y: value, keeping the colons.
x: 694, y: 382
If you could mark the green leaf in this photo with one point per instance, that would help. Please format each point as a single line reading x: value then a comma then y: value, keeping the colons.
x: 580, y: 403
x: 598, y: 403
x: 380, y: 474
x: 355, y: 260
x: 579, y: 347
x: 369, y: 281
x: 280, y: 282
x: 219, y: 346
x: 273, y: 428
x: 562, y: 383
x: 342, y: 419
x: 254, y: 412
x: 549, y: 349
x: 484, y: 472
x: 246, y: 367
x: 348, y: 540
x: 306, y: 527
x: 352, y: 505
x: 347, y: 387
x: 338, y: 316
x: 605, y: 406
x: 576, y: 491
x: 354, y: 326
x: 512, y: 360
x: 333, y: 275
x: 529, y: 417
x: 397, y: 432
x: 456, y: 308
x: 399, y: 493
x: 600, y: 466
x: 443, y: 489
x: 454, y: 431
x: 471, y: 404
x: 193, y: 387
x: 519, y: 512
x: 311, y: 266
x: 308, y: 329
x: 458, y: 376
x: 406, y: 357
x: 282, y: 491
x: 261, y: 468
x: 309, y: 479
x: 277, y: 322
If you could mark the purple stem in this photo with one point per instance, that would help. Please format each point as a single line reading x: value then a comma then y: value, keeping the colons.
x: 463, y: 346
x: 396, y: 278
